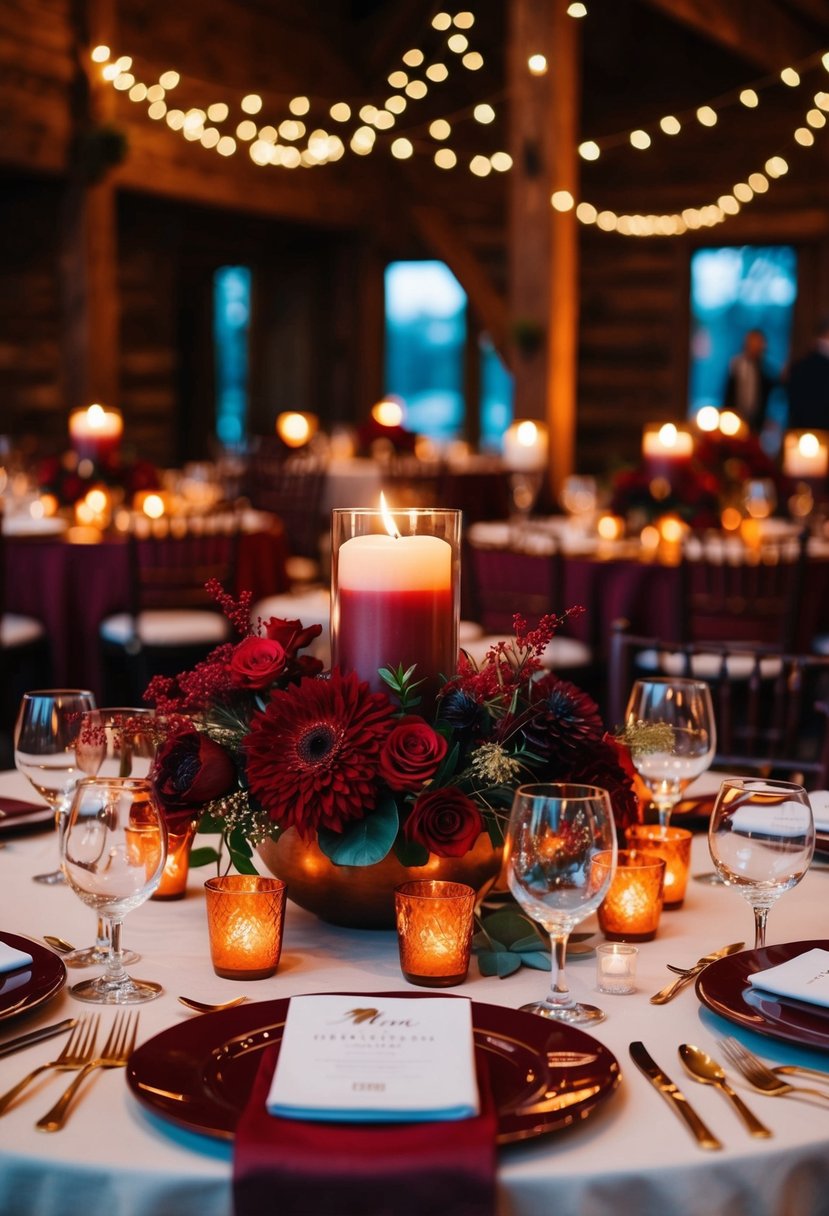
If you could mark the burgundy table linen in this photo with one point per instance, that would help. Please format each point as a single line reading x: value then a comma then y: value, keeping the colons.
x: 72, y: 588
x: 305, y: 1168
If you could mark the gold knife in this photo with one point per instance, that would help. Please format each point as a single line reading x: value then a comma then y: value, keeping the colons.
x: 672, y: 1095
x: 670, y: 990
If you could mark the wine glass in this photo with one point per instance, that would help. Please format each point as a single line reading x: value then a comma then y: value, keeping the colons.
x: 47, y: 726
x: 554, y: 833
x: 762, y: 839
x: 670, y: 731
x: 112, y: 742
x: 114, y: 845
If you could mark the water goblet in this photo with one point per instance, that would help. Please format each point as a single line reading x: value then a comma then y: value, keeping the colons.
x: 762, y: 838
x: 554, y: 833
x: 112, y: 742
x: 114, y: 845
x: 671, y: 734
x: 45, y: 732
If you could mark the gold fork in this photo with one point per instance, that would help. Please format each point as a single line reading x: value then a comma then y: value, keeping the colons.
x: 762, y: 1077
x: 78, y: 1050
x: 114, y: 1054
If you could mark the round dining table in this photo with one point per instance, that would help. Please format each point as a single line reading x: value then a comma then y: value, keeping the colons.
x: 73, y: 586
x: 628, y: 1155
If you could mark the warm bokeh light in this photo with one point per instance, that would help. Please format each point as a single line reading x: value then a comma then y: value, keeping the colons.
x: 707, y: 116
x: 483, y: 112
x: 730, y: 423
x: 640, y: 139
x: 440, y: 129
x: 388, y: 412
x: 672, y: 529
x: 100, y: 54
x: 749, y: 98
x: 731, y: 519
x: 537, y: 64
x: 708, y: 418
x: 670, y: 125
x: 562, y: 200
x: 589, y: 150
x: 445, y: 158
x: 610, y: 527
x: 153, y: 506
x: 295, y: 429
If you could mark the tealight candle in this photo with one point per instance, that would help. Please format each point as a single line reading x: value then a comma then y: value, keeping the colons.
x: 666, y: 448
x: 434, y: 931
x: 95, y: 433
x: 674, y: 846
x: 395, y: 595
x: 245, y: 915
x: 806, y: 454
x: 616, y: 968
x: 631, y: 909
x: 525, y: 445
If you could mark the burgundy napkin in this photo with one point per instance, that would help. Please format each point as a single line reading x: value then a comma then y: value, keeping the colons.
x: 304, y: 1168
x: 16, y: 806
x: 19, y: 816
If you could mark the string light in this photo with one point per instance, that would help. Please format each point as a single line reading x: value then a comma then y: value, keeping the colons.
x: 537, y: 64
x: 577, y: 10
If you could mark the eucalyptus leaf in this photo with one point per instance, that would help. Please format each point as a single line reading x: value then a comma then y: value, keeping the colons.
x: 537, y: 959
x: 528, y: 944
x: 409, y: 853
x: 203, y: 856
x: 500, y: 963
x: 364, y: 841
x: 510, y: 926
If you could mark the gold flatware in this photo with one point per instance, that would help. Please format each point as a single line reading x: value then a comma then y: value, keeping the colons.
x: 707, y: 1071
x: 800, y: 1070
x: 760, y: 1076
x: 58, y: 943
x: 670, y: 990
x: 205, y: 1007
x: 673, y: 1096
x: 115, y: 1054
x: 78, y: 1050
x: 36, y: 1036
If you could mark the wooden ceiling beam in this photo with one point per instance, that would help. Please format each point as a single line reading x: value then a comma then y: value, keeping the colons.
x: 447, y: 243
x: 760, y: 31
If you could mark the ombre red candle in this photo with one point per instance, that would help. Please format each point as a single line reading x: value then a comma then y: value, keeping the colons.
x: 395, y: 594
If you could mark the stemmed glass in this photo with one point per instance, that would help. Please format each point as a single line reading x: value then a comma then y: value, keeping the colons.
x: 672, y: 737
x: 45, y: 732
x: 112, y: 743
x: 554, y: 833
x: 114, y: 846
x: 762, y: 839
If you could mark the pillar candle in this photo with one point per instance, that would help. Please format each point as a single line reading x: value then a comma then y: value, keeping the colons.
x: 95, y: 433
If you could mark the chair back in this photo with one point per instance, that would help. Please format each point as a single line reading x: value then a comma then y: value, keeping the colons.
x: 291, y: 487
x: 729, y: 591
x: 509, y: 571
x: 409, y: 481
x: 771, y: 707
x: 170, y: 564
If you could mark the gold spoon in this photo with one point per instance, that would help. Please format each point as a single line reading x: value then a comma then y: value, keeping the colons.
x: 58, y: 943
x: 706, y: 1070
x: 204, y: 1007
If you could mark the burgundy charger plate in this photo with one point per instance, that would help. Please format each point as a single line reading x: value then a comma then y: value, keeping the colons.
x: 19, y: 816
x: 724, y: 988
x: 28, y: 987
x: 199, y: 1073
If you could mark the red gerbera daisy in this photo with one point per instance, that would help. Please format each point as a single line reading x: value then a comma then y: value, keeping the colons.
x: 312, y: 756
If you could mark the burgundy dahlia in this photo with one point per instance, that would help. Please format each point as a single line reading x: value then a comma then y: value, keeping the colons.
x: 312, y: 756
x: 562, y: 720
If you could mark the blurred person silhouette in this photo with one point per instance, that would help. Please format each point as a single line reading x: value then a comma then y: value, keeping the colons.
x: 749, y: 382
x: 808, y: 384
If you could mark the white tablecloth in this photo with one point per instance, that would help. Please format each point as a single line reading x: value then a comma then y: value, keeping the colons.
x: 632, y: 1157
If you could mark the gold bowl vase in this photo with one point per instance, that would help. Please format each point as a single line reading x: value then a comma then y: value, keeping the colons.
x: 362, y: 897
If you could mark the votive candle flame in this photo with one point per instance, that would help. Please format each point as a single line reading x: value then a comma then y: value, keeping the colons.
x: 434, y: 931
x: 631, y: 909
x: 245, y: 915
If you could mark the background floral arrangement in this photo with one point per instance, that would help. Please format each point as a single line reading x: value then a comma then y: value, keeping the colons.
x: 701, y: 487
x: 70, y: 479
x: 260, y: 741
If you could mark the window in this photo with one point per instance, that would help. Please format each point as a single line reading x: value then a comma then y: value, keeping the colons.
x: 733, y: 290
x: 425, y: 343
x: 231, y: 328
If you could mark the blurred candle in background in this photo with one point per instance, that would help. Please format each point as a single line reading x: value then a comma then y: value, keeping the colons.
x: 95, y: 433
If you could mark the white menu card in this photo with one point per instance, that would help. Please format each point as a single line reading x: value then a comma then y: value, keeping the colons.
x: 375, y: 1059
x: 805, y: 978
x: 11, y: 959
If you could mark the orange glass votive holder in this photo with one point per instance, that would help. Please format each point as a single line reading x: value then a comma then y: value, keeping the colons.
x: 434, y: 931
x: 245, y: 916
x: 173, y: 883
x: 631, y: 909
x: 674, y: 845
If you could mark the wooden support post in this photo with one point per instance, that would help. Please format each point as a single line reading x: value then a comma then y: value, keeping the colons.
x: 543, y: 241
x: 89, y: 253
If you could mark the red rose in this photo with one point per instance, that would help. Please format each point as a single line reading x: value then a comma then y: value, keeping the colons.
x: 445, y: 821
x: 411, y: 755
x: 191, y: 769
x: 256, y: 662
x: 290, y: 634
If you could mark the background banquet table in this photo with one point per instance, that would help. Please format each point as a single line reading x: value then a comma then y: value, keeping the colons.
x: 72, y: 588
x: 632, y: 1157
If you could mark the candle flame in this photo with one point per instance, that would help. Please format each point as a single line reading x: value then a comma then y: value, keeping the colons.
x: 388, y: 518
x: 95, y: 416
x: 808, y: 444
x: 668, y: 435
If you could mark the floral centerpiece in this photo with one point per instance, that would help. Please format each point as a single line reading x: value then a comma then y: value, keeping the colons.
x: 263, y: 743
